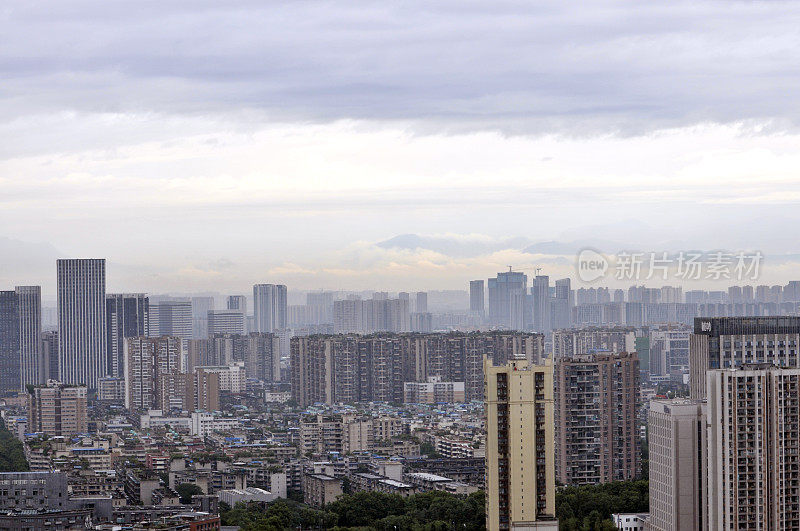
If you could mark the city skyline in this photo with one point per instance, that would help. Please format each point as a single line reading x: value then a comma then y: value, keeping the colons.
x: 275, y: 159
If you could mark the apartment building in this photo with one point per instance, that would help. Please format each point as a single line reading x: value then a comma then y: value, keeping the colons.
x: 597, y: 398
x: 520, y: 470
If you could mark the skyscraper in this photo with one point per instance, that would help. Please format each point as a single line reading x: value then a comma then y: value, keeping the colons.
x: 237, y: 302
x: 520, y: 472
x: 50, y: 355
x: 32, y: 366
x: 226, y: 322
x: 422, y: 302
x: 82, y: 339
x: 507, y: 300
x: 540, y: 294
x: 171, y: 318
x: 200, y: 308
x: 127, y: 315
x: 477, y: 295
x: 9, y: 343
x: 269, y: 307
x: 726, y: 342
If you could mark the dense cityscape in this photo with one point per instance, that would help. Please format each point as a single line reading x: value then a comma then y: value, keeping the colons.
x: 449, y: 265
x: 152, y: 411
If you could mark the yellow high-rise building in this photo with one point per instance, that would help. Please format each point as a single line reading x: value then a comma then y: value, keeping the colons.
x: 520, y: 452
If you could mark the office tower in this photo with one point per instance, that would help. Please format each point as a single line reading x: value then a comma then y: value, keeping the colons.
x: 353, y: 368
x: 540, y: 294
x: 9, y: 343
x: 58, y: 410
x: 269, y: 307
x: 596, y: 409
x: 200, y: 308
x: 50, y: 355
x: 477, y: 295
x: 171, y: 318
x: 669, y: 351
x: 753, y: 448
x: 225, y: 322
x: 727, y: 342
x: 507, y: 294
x: 149, y: 362
x: 422, y: 302
x: 520, y: 472
x: 572, y: 342
x: 676, y: 437
x: 32, y: 369
x: 237, y: 302
x: 82, y: 340
x: 127, y: 315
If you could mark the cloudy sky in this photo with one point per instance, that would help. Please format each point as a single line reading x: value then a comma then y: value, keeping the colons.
x: 395, y: 145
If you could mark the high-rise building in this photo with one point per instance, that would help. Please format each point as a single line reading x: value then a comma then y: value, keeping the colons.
x: 171, y: 318
x: 237, y: 302
x: 58, y: 410
x: 82, y: 339
x: 204, y: 390
x: 676, y: 433
x: 507, y: 300
x: 597, y: 400
x: 32, y: 366
x: 561, y: 305
x: 729, y: 342
x: 149, y: 362
x: 422, y: 302
x: 572, y: 342
x: 540, y: 295
x: 520, y: 472
x: 477, y: 296
x: 200, y: 308
x: 226, y: 322
x: 669, y: 351
x: 753, y: 448
x: 9, y: 343
x: 269, y: 307
x: 353, y: 368
x: 127, y: 315
x: 50, y: 355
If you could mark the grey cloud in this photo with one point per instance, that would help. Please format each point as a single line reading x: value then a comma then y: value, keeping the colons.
x: 515, y: 66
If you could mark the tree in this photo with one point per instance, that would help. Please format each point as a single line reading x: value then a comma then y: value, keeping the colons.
x: 186, y: 491
x: 12, y: 454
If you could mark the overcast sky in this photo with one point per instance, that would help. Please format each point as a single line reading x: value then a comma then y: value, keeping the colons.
x: 211, y: 145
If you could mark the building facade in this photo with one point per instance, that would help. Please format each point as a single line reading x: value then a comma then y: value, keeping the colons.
x: 597, y: 398
x: 520, y: 470
x: 82, y: 332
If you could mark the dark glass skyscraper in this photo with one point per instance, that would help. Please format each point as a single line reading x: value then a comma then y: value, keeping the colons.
x: 9, y: 343
x: 127, y: 315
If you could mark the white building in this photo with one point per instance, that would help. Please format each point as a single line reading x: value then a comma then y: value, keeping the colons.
x: 82, y: 321
x: 232, y: 378
x: 631, y: 521
x: 205, y: 423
